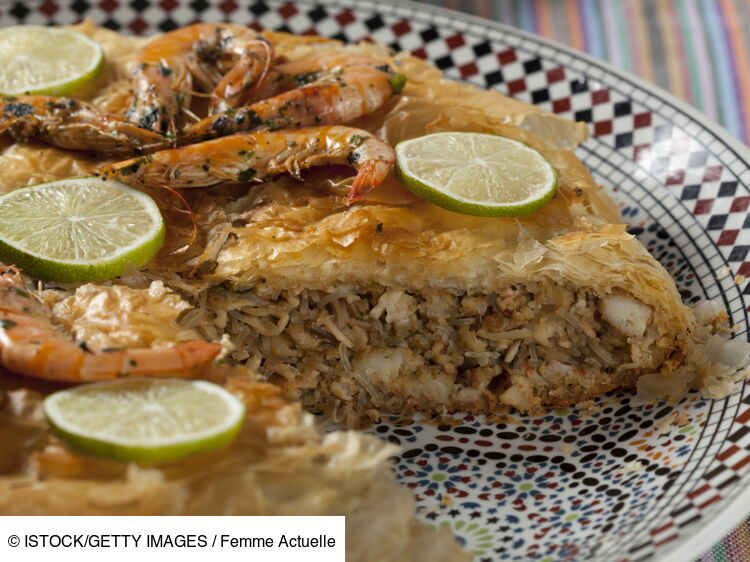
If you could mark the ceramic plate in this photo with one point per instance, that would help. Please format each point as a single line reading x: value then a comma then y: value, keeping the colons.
x: 562, y: 486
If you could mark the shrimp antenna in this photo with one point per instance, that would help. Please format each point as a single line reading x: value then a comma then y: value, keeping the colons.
x: 190, y: 212
x: 190, y: 114
x: 266, y: 66
x: 199, y: 94
x: 343, y: 182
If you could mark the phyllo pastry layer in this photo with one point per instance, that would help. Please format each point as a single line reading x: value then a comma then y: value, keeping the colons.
x: 281, y: 464
x: 392, y: 304
x: 396, y: 304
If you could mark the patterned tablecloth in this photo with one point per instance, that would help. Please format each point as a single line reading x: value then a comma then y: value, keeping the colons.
x: 697, y: 49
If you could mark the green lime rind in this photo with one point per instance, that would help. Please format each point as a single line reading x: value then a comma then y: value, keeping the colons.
x: 136, y: 254
x: 168, y: 450
x: 440, y: 199
x: 437, y: 195
x: 142, y: 455
x: 50, y: 270
x: 65, y: 86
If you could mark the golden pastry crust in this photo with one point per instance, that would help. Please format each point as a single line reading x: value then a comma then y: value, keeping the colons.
x: 293, y: 238
x: 281, y: 464
x: 466, y: 312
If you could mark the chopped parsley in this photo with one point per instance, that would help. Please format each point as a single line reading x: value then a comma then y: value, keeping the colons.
x: 246, y: 175
x: 131, y: 169
x: 18, y: 109
x: 356, y: 140
x: 306, y: 78
x: 398, y: 81
x: 271, y: 125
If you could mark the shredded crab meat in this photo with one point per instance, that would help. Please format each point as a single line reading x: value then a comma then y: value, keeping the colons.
x: 354, y: 351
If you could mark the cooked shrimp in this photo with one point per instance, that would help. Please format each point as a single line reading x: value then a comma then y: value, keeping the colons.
x: 31, y: 345
x: 75, y: 125
x: 336, y: 94
x: 226, y: 59
x: 258, y: 156
x: 301, y: 72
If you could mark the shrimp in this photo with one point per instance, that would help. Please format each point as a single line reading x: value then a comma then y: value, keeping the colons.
x: 330, y: 94
x: 255, y: 157
x: 75, y: 125
x: 31, y: 345
x: 226, y: 59
x: 290, y: 75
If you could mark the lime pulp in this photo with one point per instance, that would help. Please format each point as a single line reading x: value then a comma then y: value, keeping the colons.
x: 145, y: 420
x: 476, y: 173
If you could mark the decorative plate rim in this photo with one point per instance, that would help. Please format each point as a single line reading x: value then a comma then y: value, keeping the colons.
x: 701, y: 118
x: 733, y: 512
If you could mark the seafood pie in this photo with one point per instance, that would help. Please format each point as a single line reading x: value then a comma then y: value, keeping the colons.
x: 349, y: 293
x: 301, y: 274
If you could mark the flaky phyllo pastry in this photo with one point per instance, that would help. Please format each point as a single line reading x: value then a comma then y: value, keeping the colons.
x: 389, y: 305
x: 281, y: 464
x: 392, y: 304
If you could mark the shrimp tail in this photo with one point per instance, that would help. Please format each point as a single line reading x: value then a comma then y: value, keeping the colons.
x: 369, y: 176
x: 198, y: 352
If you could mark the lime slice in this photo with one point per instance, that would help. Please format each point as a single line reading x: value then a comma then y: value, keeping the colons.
x: 79, y: 229
x: 45, y: 60
x: 145, y: 420
x: 476, y: 174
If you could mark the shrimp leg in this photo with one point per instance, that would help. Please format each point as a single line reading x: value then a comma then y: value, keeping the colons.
x: 237, y: 85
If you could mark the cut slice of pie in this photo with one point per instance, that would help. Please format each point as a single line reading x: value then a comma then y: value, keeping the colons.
x: 394, y: 305
x: 397, y: 305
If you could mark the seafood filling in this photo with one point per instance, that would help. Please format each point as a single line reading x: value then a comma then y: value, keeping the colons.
x: 359, y: 350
